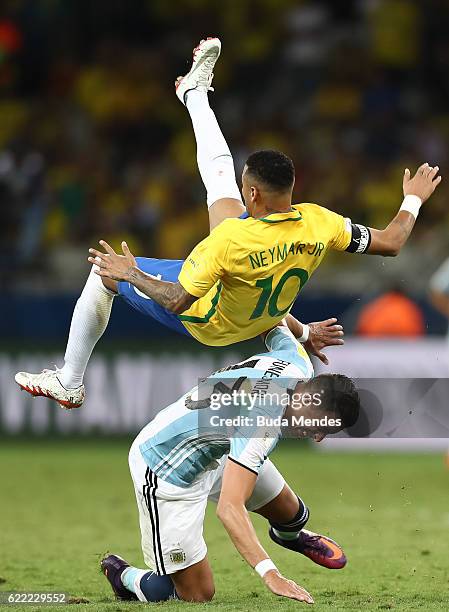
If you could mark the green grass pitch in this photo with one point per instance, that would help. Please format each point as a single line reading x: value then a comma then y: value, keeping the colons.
x: 64, y: 503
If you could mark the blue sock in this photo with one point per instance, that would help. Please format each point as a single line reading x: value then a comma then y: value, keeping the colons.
x: 148, y: 586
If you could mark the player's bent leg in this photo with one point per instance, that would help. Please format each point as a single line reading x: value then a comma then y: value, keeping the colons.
x: 215, y: 162
x: 110, y: 284
x: 224, y: 208
x: 89, y: 321
x: 171, y: 523
x: 131, y: 583
x: 283, y: 507
x: 214, y: 158
x: 288, y: 515
x: 195, y: 583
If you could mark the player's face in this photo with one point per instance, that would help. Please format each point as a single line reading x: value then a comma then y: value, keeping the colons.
x: 309, y: 427
x: 313, y: 433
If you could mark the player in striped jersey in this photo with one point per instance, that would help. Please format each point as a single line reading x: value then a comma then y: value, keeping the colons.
x: 185, y: 456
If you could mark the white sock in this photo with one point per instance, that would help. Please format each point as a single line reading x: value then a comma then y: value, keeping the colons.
x: 213, y: 155
x: 90, y: 319
x: 131, y: 578
x: 287, y: 535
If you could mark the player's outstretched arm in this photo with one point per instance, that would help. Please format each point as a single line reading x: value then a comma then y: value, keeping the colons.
x: 417, y: 190
x: 171, y: 296
x: 238, y: 484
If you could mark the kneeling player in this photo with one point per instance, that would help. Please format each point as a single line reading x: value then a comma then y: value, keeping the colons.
x: 179, y: 461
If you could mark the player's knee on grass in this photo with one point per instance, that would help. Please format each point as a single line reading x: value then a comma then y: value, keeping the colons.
x: 195, y: 583
x: 199, y: 593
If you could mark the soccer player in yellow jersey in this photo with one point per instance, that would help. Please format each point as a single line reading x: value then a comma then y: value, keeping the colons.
x: 244, y: 277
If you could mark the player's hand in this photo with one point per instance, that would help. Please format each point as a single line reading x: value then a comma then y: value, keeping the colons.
x: 112, y: 265
x: 322, y: 334
x: 286, y: 588
x: 423, y: 184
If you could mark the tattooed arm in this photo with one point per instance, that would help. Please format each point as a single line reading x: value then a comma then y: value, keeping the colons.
x: 171, y: 296
x: 110, y: 264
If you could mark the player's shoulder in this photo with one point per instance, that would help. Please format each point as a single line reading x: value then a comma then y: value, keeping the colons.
x: 310, y: 208
x: 226, y: 227
x: 228, y: 233
x: 233, y: 222
x: 320, y: 217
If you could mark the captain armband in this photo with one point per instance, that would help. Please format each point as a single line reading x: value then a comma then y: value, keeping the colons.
x: 360, y: 238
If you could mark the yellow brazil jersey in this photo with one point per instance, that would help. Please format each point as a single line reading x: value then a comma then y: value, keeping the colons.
x: 248, y: 272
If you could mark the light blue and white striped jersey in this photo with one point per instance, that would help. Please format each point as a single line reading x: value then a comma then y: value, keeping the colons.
x: 180, y: 443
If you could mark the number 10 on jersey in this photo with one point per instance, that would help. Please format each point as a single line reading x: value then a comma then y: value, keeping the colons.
x: 270, y: 296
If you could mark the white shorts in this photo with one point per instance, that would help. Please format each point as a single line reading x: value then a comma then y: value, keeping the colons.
x: 171, y: 518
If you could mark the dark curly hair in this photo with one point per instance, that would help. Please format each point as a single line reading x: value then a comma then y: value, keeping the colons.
x: 339, y: 396
x: 273, y: 168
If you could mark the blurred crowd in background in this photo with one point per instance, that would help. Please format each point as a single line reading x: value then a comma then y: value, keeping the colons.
x: 94, y: 143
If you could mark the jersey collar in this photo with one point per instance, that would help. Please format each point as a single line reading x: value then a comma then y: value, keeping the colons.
x: 292, y: 215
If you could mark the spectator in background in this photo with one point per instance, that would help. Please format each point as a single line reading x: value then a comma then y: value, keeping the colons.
x: 439, y: 297
x: 92, y: 141
x: 439, y: 289
x: 391, y: 315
